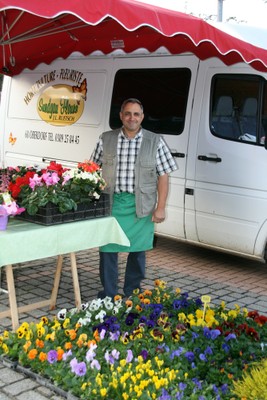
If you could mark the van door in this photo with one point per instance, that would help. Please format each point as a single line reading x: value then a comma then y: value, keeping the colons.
x: 231, y: 161
x: 165, y: 86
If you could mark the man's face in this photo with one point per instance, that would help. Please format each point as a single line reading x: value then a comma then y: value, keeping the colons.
x: 132, y: 117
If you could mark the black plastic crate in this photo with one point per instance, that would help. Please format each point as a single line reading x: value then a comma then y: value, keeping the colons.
x: 50, y: 215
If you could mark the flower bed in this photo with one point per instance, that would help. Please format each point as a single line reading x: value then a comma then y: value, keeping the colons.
x: 160, y: 344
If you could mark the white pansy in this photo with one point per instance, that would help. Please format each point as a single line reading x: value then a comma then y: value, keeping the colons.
x: 61, y: 315
x: 101, y: 315
x: 84, y: 321
x: 95, y: 305
x: 84, y: 306
x: 107, y: 301
x: 88, y: 314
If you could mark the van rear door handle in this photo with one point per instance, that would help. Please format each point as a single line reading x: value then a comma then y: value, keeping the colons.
x: 212, y: 159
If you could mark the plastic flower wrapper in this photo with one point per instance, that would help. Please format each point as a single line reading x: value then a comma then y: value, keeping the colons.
x: 13, y: 209
x: 7, y: 203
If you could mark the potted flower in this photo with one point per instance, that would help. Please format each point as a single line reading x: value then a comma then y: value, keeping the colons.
x: 85, y: 182
x: 56, y: 190
x: 35, y: 188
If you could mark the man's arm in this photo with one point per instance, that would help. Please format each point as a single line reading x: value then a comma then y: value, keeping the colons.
x: 163, y: 189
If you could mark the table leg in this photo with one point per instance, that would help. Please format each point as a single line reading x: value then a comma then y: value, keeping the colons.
x: 12, y: 297
x: 54, y: 293
x: 75, y: 279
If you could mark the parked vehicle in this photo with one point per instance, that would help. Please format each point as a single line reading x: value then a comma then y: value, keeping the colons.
x: 212, y: 116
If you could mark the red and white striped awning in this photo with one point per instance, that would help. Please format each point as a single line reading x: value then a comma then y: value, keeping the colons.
x: 33, y: 32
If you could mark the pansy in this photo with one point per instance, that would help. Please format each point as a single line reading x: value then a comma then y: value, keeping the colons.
x: 151, y: 351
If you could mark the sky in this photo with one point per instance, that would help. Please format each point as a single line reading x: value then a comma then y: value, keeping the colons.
x: 251, y: 12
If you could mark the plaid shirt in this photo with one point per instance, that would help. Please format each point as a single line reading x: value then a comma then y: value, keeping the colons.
x: 127, y: 154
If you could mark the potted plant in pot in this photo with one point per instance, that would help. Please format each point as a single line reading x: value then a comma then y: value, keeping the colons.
x: 53, y: 194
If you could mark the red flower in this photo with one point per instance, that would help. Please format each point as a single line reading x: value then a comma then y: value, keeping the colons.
x: 260, y: 320
x: 89, y: 166
x: 253, y: 314
x: 55, y: 167
x: 253, y: 333
x: 242, y: 327
x: 15, y: 187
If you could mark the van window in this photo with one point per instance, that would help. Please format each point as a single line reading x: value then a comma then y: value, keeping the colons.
x: 163, y: 93
x: 239, y: 108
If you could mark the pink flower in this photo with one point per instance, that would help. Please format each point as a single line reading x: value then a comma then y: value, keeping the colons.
x: 50, y: 179
x: 13, y: 208
x: 35, y: 181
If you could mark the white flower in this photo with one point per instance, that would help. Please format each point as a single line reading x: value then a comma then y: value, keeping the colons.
x: 84, y: 306
x: 95, y: 305
x: 107, y: 301
x: 101, y: 315
x: 61, y: 315
x: 84, y: 321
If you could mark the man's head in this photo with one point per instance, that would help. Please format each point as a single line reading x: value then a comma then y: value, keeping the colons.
x: 131, y: 115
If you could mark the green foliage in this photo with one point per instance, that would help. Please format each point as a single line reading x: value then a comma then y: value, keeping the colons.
x: 253, y: 385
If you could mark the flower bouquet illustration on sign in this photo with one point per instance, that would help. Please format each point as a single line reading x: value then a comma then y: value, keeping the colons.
x: 56, y: 194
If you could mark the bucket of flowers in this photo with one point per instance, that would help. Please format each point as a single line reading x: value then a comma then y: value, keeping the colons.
x: 56, y: 194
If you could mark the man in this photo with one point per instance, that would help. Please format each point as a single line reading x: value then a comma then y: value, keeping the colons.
x: 135, y: 164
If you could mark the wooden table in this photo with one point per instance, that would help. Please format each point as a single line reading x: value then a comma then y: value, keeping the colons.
x: 26, y: 241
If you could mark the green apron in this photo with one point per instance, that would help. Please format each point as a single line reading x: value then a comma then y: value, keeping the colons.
x: 140, y: 231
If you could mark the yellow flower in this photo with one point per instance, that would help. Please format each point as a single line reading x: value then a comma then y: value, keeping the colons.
x: 56, y: 326
x: 27, y: 345
x: 232, y: 313
x: 5, y: 348
x: 182, y: 317
x: 146, y: 301
x: 51, y: 336
x: 103, y: 392
x: 66, y: 323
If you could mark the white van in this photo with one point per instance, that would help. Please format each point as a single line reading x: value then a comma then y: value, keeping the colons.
x: 213, y: 117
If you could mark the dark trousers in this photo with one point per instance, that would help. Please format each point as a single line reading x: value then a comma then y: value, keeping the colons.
x: 134, y: 273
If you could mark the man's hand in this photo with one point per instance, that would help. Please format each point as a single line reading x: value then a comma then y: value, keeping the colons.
x: 158, y: 215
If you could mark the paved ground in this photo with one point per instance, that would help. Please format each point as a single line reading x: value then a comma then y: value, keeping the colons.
x: 193, y: 269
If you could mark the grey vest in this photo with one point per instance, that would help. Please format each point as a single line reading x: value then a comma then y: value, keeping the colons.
x: 145, y: 169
